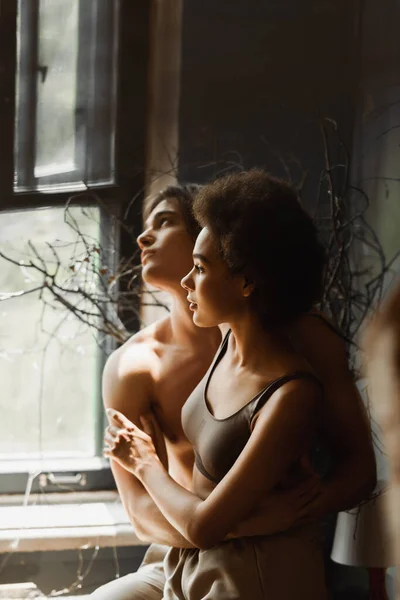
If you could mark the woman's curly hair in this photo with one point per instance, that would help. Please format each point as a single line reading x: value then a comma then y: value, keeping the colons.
x: 263, y: 232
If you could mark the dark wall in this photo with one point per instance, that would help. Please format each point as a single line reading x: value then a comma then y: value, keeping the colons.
x: 255, y: 76
x: 377, y: 132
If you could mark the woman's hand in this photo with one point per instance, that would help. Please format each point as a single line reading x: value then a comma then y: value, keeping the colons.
x: 131, y: 447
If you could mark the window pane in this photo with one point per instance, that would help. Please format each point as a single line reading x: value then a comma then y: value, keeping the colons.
x: 49, y: 362
x: 56, y: 88
x: 65, y: 93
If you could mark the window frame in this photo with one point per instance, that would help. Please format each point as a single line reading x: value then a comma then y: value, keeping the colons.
x: 129, y: 160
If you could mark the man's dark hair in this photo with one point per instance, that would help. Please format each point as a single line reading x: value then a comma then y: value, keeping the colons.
x: 184, y: 195
x: 262, y: 231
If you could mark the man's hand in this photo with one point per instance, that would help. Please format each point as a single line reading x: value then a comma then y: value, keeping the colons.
x: 126, y: 443
x: 282, y: 509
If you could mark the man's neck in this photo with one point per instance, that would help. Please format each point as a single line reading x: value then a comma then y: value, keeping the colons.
x: 184, y: 331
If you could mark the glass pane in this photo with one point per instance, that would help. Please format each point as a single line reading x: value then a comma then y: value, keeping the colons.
x: 56, y: 87
x: 65, y: 94
x: 49, y: 361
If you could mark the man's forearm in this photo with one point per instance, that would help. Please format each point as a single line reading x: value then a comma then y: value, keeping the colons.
x: 349, y: 485
x: 152, y: 527
x: 147, y: 520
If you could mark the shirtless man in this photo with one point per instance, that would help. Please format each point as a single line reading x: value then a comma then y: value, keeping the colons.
x: 382, y: 345
x: 159, y: 367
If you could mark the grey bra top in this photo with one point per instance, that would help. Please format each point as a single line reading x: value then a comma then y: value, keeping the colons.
x: 217, y: 443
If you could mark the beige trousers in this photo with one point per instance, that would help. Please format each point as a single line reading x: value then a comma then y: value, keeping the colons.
x: 287, y: 566
x: 146, y: 584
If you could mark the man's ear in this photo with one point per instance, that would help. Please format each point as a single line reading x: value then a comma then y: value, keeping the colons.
x: 248, y: 287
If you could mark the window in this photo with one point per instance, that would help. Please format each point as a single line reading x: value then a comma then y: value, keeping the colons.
x: 65, y: 93
x: 73, y: 89
x: 50, y: 359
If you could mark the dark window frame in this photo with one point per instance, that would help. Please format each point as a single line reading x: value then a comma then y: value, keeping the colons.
x: 129, y: 160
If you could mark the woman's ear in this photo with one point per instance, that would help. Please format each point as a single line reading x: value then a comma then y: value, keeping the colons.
x: 248, y: 287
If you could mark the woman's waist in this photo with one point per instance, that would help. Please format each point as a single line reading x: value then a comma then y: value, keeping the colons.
x: 295, y: 539
x: 201, y: 485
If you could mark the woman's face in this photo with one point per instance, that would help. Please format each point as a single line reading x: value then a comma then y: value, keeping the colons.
x: 166, y: 246
x: 215, y: 295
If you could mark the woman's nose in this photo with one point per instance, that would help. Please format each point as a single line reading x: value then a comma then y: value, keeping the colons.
x: 187, y: 282
x: 145, y: 239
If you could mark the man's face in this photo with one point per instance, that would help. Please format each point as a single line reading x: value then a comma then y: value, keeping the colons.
x: 166, y: 246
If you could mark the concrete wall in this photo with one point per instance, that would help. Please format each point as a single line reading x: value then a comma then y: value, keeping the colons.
x: 254, y: 80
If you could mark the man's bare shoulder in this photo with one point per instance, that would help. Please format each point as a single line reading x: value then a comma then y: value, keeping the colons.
x: 316, y: 336
x: 128, y: 372
x: 136, y: 355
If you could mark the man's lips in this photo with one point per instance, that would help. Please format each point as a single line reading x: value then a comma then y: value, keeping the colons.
x: 145, y: 254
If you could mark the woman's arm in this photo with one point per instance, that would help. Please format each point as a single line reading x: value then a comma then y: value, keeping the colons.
x: 281, y: 432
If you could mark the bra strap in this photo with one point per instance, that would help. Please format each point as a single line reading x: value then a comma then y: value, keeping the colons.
x: 277, y: 383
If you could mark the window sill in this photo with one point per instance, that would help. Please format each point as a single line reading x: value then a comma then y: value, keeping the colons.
x: 64, y: 522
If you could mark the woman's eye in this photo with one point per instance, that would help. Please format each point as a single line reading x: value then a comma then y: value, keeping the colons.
x: 199, y: 269
x: 164, y: 221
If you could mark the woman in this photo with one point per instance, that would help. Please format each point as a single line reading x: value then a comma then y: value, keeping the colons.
x: 252, y: 419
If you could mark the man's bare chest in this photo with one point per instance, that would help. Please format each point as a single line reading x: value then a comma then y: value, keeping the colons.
x: 177, y: 376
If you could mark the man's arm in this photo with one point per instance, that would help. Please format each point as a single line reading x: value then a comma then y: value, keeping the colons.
x: 345, y: 424
x: 148, y: 522
x: 130, y: 391
x: 346, y: 429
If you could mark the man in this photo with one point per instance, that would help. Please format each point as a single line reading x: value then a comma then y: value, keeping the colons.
x: 158, y: 368
x: 383, y: 370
